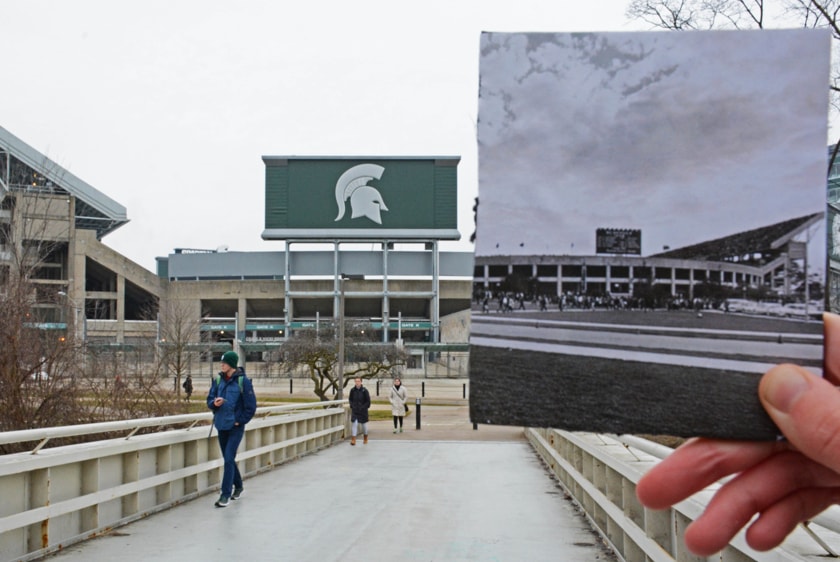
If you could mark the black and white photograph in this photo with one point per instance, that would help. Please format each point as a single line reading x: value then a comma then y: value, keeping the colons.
x: 650, y: 227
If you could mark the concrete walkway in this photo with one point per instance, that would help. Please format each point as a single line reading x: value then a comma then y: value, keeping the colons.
x: 445, y: 492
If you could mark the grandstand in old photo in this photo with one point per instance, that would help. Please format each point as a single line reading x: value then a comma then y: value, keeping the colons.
x: 761, y: 264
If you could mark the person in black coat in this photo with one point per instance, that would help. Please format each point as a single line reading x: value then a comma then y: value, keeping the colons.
x: 188, y: 387
x: 359, y: 406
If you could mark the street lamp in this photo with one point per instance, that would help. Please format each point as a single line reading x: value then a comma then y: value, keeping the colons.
x: 339, y: 394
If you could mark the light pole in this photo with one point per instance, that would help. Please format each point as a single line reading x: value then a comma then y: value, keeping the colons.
x: 76, y: 310
x: 339, y: 394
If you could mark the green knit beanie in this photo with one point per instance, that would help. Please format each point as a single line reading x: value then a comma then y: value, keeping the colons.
x: 231, y: 358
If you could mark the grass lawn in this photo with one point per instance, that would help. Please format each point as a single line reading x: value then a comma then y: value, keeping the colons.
x: 536, y: 389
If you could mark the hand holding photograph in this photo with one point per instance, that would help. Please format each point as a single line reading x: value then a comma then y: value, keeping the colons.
x: 650, y: 227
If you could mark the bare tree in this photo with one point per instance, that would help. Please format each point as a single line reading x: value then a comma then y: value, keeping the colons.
x: 36, y: 381
x: 823, y: 14
x: 38, y: 371
x: 746, y: 14
x: 48, y: 375
x: 126, y: 381
x: 178, y: 340
x: 134, y: 380
x: 698, y: 14
x: 318, y: 355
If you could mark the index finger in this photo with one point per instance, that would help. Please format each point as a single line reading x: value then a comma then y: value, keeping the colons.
x: 697, y: 464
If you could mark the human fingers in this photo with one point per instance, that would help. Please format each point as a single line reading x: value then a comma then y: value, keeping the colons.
x: 695, y: 465
x: 806, y: 408
x: 752, y: 492
x: 831, y: 344
x: 777, y: 522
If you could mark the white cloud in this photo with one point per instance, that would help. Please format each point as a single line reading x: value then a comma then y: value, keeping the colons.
x: 688, y: 136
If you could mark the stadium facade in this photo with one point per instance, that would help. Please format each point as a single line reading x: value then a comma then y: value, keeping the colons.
x: 402, y: 289
x: 759, y: 259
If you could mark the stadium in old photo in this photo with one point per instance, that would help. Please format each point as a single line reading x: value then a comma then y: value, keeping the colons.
x: 764, y: 265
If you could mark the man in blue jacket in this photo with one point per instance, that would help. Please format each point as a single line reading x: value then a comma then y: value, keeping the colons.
x: 233, y: 402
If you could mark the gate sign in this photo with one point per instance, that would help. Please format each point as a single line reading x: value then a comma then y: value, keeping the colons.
x: 367, y: 198
x: 618, y: 241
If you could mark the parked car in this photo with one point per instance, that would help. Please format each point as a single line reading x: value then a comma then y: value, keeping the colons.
x: 772, y: 309
x: 799, y: 310
x: 740, y: 305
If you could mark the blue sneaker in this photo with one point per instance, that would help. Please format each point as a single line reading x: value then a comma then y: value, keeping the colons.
x: 237, y: 493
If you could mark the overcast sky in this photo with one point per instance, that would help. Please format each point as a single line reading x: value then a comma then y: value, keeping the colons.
x: 688, y: 137
x: 167, y: 107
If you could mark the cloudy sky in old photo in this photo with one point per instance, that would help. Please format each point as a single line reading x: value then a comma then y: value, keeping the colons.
x: 686, y: 136
x: 167, y: 107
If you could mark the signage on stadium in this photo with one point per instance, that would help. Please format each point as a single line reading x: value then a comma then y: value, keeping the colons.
x: 618, y: 241
x: 404, y: 325
x: 217, y: 327
x: 264, y: 327
x: 361, y: 198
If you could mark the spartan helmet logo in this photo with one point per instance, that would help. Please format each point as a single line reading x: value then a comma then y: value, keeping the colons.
x: 365, y: 200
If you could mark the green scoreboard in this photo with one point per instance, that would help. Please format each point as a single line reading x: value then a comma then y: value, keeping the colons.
x: 361, y: 198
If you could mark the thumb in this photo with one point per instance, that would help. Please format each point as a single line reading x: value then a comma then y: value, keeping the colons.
x: 806, y: 408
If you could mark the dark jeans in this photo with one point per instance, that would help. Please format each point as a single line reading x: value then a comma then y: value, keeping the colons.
x: 228, y: 443
x: 400, y: 418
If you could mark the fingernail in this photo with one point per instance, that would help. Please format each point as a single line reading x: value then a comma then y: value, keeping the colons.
x: 782, y: 386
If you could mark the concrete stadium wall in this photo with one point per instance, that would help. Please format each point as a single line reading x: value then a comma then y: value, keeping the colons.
x: 56, y: 497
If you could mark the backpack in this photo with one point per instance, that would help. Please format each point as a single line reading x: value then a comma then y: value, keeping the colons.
x: 240, y: 379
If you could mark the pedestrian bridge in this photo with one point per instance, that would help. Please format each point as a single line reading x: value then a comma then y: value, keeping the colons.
x: 446, y: 491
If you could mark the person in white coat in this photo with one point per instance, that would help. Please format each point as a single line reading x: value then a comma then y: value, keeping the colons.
x: 398, y: 396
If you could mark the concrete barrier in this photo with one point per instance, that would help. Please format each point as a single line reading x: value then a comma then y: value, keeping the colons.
x: 600, y: 473
x: 55, y: 497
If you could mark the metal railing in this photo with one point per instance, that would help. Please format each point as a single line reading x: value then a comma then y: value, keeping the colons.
x: 54, y: 497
